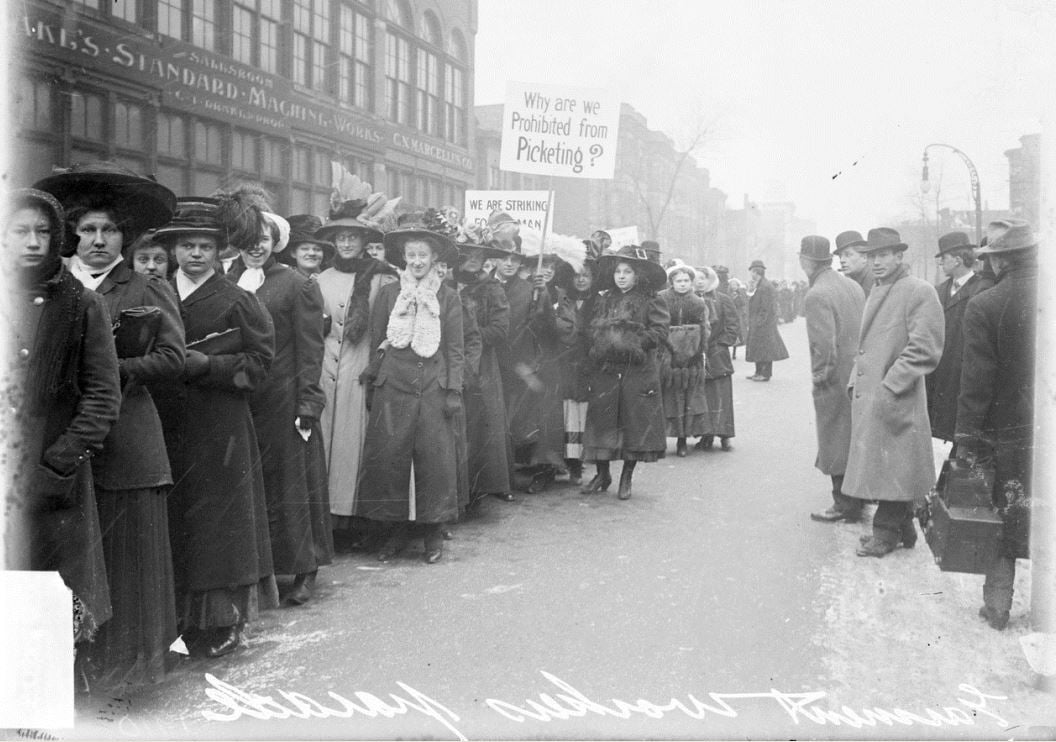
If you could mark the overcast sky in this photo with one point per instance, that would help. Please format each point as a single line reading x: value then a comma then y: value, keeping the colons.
x: 795, y: 92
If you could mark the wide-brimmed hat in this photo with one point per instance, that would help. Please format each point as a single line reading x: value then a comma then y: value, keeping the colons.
x: 283, y: 226
x: 22, y: 198
x: 1008, y: 235
x: 430, y: 226
x: 815, y: 247
x: 193, y: 215
x: 345, y: 216
x: 721, y: 270
x: 953, y: 241
x: 645, y: 260
x: 472, y: 237
x: 304, y: 228
x: 850, y: 238
x: 565, y: 273
x: 757, y: 264
x: 142, y: 201
x: 883, y: 238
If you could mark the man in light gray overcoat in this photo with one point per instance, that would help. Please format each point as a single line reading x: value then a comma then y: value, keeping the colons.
x: 900, y: 341
x: 833, y: 308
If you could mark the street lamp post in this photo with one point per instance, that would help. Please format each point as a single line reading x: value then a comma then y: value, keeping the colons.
x: 972, y: 172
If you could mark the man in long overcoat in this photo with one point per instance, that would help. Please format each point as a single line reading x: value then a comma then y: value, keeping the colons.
x: 956, y: 257
x: 833, y: 306
x: 853, y: 262
x: 995, y: 408
x: 900, y: 341
x: 763, y: 344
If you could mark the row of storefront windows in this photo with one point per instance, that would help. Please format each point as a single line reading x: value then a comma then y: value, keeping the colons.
x: 195, y: 155
x: 328, y: 46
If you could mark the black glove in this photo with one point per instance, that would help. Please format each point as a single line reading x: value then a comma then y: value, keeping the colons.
x: 452, y: 402
x: 307, y: 421
x: 50, y: 490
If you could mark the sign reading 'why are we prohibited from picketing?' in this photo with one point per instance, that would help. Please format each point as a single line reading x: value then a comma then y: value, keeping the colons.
x: 558, y: 130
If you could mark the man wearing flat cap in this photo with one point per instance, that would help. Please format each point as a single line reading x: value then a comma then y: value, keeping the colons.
x: 995, y: 407
x: 900, y: 341
x: 956, y: 257
x: 854, y: 263
x: 833, y: 308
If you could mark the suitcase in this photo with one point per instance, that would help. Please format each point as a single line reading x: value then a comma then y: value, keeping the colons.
x: 961, y: 526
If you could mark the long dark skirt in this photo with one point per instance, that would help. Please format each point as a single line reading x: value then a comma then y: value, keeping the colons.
x: 686, y: 410
x: 319, y: 497
x: 228, y: 606
x: 719, y: 392
x: 131, y: 649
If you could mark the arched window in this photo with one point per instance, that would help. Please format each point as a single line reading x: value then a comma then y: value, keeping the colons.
x: 396, y: 11
x: 398, y: 61
x: 429, y: 81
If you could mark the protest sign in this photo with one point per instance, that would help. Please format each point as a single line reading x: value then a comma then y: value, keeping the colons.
x: 623, y: 236
x: 528, y: 207
x: 560, y: 131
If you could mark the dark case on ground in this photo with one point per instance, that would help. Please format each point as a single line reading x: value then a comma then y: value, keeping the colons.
x: 962, y: 527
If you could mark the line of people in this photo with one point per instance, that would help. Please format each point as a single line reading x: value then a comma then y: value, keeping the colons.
x: 896, y: 361
x: 211, y: 394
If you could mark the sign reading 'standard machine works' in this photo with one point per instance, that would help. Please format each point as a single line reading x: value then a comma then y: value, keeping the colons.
x: 192, y: 80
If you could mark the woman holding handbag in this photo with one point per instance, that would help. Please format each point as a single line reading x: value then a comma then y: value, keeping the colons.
x: 682, y: 367
x: 107, y: 208
x: 625, y: 414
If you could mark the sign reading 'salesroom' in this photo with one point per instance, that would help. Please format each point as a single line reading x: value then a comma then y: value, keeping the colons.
x: 196, y: 81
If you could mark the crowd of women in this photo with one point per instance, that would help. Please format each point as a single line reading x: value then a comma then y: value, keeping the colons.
x: 212, y: 393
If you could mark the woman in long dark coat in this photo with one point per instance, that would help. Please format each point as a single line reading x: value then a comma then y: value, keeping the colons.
x: 410, y: 469
x: 106, y: 208
x: 288, y: 406
x: 217, y: 512
x: 486, y: 424
x: 685, y: 405
x: 67, y: 396
x: 572, y: 313
x: 625, y: 414
x: 739, y: 295
x: 718, y: 366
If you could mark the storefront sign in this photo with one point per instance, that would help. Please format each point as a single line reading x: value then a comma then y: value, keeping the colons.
x: 196, y: 81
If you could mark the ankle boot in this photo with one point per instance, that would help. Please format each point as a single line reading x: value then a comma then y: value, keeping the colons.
x: 601, y: 480
x: 680, y: 447
x: 434, y: 545
x: 301, y: 592
x: 625, y: 480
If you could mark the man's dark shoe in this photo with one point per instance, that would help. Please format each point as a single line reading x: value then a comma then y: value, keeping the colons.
x: 705, y: 443
x: 874, y: 547
x: 997, y: 619
x: 832, y: 515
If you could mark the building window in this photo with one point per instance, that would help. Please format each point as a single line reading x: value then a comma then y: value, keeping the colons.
x: 455, y: 105
x: 302, y: 156
x: 207, y: 143
x: 322, y: 170
x: 94, y: 4
x: 273, y: 159
x: 429, y: 111
x: 128, y: 125
x: 398, y: 77
x: 243, y: 151
x: 311, y: 32
x: 34, y: 104
x: 86, y: 116
x: 203, y: 24
x: 125, y: 10
x: 170, y: 18
x: 242, y: 34
x: 270, y: 16
x: 354, y: 58
x: 172, y: 139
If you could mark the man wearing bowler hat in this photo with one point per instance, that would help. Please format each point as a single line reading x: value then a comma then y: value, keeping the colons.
x: 956, y: 257
x: 833, y: 308
x: 763, y: 344
x: 900, y: 341
x: 995, y: 407
x: 853, y: 262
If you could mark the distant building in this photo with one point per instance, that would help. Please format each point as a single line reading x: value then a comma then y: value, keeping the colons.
x: 691, y: 226
x: 1024, y: 178
x: 206, y: 92
x: 768, y: 231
